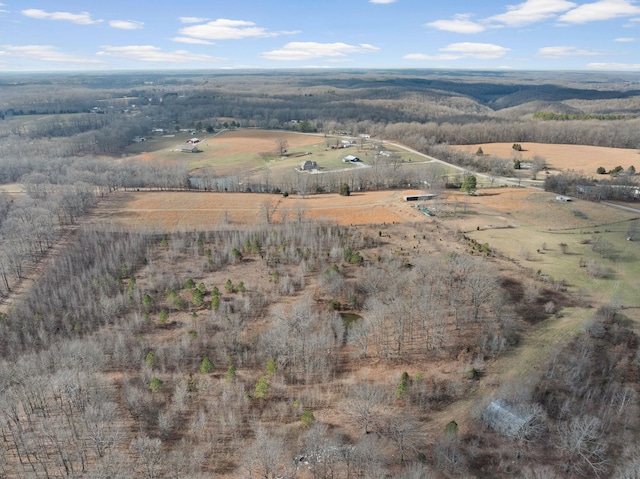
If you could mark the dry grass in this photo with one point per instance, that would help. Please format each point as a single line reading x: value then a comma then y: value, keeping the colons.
x: 174, y: 211
x: 580, y: 158
x: 228, y: 153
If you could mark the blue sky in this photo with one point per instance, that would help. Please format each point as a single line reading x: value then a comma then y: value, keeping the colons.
x: 77, y: 35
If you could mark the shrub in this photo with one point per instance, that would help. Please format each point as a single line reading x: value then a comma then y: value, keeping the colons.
x: 307, y: 418
x: 261, y: 390
x: 403, y: 385
x: 272, y: 367
x: 215, y: 302
x: 197, y: 297
x: 156, y: 384
x: 150, y: 359
x: 231, y: 374
x: 206, y: 366
x: 345, y: 190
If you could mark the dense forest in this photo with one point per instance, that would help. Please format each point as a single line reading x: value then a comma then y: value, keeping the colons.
x: 295, y: 348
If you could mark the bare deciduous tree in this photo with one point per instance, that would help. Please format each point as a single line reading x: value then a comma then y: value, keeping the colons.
x: 582, y: 441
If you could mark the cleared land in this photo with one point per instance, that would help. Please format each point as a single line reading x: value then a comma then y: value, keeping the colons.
x: 525, y: 225
x: 176, y: 211
x: 580, y: 158
x: 242, y: 151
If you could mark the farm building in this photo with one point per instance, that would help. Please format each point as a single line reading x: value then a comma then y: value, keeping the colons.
x: 507, y: 419
x: 426, y: 197
x: 350, y: 159
x: 189, y: 149
x: 308, y: 165
x: 193, y: 141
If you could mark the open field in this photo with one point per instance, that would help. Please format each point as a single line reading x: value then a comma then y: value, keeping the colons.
x: 232, y: 152
x: 228, y: 152
x: 174, y: 211
x: 580, y: 158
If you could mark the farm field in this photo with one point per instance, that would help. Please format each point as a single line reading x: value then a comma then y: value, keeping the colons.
x: 175, y: 211
x: 244, y: 150
x: 580, y: 158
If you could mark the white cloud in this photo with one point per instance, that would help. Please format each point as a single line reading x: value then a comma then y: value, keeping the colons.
x: 192, y: 19
x: 460, y: 24
x: 531, y: 11
x: 192, y: 41
x: 422, y: 56
x: 615, y: 66
x: 225, y: 29
x: 481, y: 51
x: 126, y: 24
x: 149, y: 53
x: 565, y: 51
x: 308, y: 50
x: 600, y: 10
x: 47, y: 53
x: 624, y: 40
x: 380, y: 2
x: 82, y: 18
x: 457, y: 51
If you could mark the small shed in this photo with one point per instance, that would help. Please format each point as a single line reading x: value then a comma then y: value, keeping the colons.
x: 424, y: 197
x: 350, y: 159
x: 189, y: 149
x: 507, y: 419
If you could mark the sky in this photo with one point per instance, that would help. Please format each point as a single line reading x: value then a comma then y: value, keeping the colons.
x: 112, y: 35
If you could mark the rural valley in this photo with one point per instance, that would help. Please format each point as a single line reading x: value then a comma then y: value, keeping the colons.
x: 312, y: 274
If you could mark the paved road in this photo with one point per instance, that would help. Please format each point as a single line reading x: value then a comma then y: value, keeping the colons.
x: 622, y: 207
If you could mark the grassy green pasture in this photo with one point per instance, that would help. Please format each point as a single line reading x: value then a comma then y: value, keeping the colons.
x: 540, y: 250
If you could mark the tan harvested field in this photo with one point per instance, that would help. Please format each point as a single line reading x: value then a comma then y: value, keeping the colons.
x: 179, y: 210
x: 490, y: 209
x: 580, y: 158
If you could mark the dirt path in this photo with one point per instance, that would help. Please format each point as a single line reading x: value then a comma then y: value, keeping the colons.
x: 34, y: 271
x: 516, y: 369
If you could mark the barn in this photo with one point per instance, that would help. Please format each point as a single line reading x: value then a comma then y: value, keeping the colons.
x: 508, y: 419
